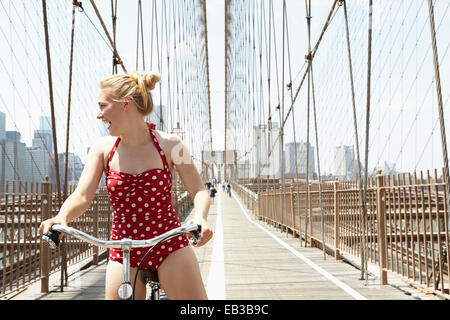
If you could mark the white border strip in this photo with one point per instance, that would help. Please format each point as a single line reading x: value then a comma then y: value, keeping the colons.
x: 336, y: 281
x: 216, y: 277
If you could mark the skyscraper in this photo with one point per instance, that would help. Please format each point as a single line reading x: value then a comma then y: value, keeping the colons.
x: 301, y: 147
x: 344, y: 157
x: 264, y: 137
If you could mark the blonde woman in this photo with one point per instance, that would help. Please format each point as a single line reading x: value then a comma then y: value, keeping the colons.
x: 138, y: 162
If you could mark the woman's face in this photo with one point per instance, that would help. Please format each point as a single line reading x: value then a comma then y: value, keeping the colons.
x: 110, y: 111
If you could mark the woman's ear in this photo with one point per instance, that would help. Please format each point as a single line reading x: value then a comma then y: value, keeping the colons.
x: 126, y: 105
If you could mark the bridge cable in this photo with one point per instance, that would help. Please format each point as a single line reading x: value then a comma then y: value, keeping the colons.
x: 52, y: 105
x: 289, y: 88
x: 309, y: 59
x: 329, y: 19
x: 361, y: 191
x: 364, y: 250
x: 64, y: 275
x: 440, y: 103
x: 116, y: 55
x: 114, y: 27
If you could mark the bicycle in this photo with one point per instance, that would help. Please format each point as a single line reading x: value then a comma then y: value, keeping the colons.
x: 150, y: 278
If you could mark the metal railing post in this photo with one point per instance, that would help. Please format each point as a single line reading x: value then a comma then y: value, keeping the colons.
x: 44, y: 250
x: 381, y: 224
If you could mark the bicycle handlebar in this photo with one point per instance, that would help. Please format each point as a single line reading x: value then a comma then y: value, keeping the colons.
x: 52, y: 237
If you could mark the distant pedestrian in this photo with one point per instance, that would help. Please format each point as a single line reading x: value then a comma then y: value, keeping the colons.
x: 229, y: 189
x: 212, y: 193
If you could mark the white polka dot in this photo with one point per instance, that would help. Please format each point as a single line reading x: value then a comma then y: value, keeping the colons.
x: 159, y: 225
x: 138, y: 252
x: 170, y: 249
x: 147, y: 229
x: 139, y: 199
x: 134, y: 231
x: 154, y: 177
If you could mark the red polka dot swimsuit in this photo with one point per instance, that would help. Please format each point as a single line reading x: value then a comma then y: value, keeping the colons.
x: 142, y: 209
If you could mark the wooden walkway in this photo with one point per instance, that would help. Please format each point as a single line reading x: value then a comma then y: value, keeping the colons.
x: 250, y: 260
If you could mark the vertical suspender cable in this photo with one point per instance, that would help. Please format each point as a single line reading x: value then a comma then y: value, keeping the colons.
x: 440, y: 104
x: 366, y: 164
x: 64, y: 275
x: 309, y: 57
x: 322, y: 222
x: 114, y: 20
x: 283, y: 169
x: 52, y: 105
x: 226, y: 88
x: 289, y: 86
x: 363, y: 209
x: 112, y: 43
x: 205, y: 26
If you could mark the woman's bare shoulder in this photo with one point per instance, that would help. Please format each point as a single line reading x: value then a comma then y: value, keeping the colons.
x: 168, y: 139
x: 102, y: 146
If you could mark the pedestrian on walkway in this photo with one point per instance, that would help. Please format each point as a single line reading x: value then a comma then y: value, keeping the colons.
x: 138, y: 162
x: 212, y: 194
x: 229, y: 188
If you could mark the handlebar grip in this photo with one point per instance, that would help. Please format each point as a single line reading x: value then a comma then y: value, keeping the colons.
x: 51, y: 238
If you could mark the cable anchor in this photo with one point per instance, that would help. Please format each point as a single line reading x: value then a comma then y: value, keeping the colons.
x: 78, y: 4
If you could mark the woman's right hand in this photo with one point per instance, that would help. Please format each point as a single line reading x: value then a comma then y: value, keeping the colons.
x: 47, y: 224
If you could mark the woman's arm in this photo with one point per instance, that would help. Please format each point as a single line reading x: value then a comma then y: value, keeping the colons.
x: 190, y: 178
x: 80, y: 200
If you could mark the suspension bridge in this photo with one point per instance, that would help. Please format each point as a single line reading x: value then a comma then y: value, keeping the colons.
x: 327, y: 117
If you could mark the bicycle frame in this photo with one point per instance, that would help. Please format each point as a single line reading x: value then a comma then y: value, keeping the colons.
x: 125, y: 290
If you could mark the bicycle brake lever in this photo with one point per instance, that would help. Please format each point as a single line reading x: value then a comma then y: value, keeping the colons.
x: 51, y: 238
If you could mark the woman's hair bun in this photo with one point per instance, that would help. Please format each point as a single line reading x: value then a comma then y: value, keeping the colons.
x: 150, y: 80
x: 147, y: 80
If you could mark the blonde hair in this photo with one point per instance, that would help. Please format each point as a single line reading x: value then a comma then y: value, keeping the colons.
x: 136, y: 86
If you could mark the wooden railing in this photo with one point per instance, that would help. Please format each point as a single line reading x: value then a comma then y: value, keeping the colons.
x: 24, y: 259
x: 407, y: 222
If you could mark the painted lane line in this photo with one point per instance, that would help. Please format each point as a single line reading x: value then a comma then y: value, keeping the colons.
x: 327, y: 275
x: 216, y: 277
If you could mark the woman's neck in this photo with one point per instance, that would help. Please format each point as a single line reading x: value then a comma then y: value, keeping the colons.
x: 136, y: 134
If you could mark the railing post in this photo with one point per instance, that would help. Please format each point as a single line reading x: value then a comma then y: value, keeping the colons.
x: 95, y: 222
x: 336, y: 220
x: 44, y: 250
x: 381, y: 223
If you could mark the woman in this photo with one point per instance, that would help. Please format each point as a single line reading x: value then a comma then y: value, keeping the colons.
x: 138, y: 162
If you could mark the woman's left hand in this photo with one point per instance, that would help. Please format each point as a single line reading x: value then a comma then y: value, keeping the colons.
x: 206, y: 233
